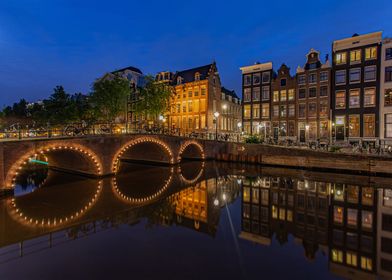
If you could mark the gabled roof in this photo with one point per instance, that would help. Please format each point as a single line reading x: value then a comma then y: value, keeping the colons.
x: 229, y: 92
x: 131, y: 68
x: 188, y: 75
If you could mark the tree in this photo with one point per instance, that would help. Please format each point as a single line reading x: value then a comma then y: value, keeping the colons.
x: 109, y: 98
x: 154, y: 98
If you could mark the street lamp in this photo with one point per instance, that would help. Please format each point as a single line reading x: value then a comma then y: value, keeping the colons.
x: 307, y: 132
x: 216, y: 115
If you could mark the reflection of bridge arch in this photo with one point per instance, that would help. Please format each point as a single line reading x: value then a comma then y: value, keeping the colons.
x: 143, y: 200
x: 193, y: 180
x: 79, y: 149
x: 17, y: 213
x: 191, y: 143
x: 140, y: 140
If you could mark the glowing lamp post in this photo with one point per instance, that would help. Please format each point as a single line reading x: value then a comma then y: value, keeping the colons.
x: 216, y: 116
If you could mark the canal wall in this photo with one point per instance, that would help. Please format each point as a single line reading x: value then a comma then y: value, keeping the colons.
x: 304, y: 158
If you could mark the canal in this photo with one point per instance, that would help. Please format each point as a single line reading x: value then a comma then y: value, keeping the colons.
x: 197, y: 220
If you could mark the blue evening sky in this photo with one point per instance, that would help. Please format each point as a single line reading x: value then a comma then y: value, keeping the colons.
x: 71, y: 42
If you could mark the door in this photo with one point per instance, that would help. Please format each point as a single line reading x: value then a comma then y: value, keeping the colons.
x: 339, y: 132
x: 302, y: 137
x: 276, y: 133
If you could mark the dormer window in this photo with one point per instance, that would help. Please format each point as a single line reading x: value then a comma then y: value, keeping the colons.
x: 179, y: 80
x: 197, y: 76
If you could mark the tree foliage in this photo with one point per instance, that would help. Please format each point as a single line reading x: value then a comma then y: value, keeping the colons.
x: 109, y: 98
x: 153, y: 98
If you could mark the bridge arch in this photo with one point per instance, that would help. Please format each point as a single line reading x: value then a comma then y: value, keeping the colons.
x: 140, y: 141
x: 191, y: 149
x: 50, y: 151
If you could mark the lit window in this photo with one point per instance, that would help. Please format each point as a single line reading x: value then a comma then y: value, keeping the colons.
x: 367, y: 220
x: 355, y: 56
x: 367, y: 196
x: 354, y: 98
x: 370, y: 73
x: 246, y: 194
x: 203, y: 91
x: 274, y: 212
x: 282, y: 214
x: 370, y: 97
x: 354, y: 126
x: 351, y: 259
x: 337, y: 256
x: 324, y: 108
x: 352, y: 194
x: 265, y: 110
x: 366, y: 263
x: 338, y: 214
x: 340, y: 102
x: 256, y: 111
x: 323, y: 134
x: 276, y: 111
x: 247, y: 111
x: 341, y: 58
x: 355, y: 75
x: 388, y: 127
x: 369, y: 125
x: 291, y: 110
x: 283, y: 111
x: 340, y: 77
x: 352, y: 217
x: 388, y: 97
x: 276, y: 96
x: 283, y: 95
x: 371, y: 53
x: 291, y: 94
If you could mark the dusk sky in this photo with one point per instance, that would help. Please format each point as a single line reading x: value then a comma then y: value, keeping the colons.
x: 71, y: 43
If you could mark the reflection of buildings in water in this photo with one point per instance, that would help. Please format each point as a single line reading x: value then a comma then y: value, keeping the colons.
x: 384, y: 233
x: 338, y: 219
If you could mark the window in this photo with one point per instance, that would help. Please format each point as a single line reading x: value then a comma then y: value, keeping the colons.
x: 338, y: 194
x: 247, y: 80
x: 355, y: 75
x: 265, y: 93
x: 354, y: 126
x: 388, y: 96
x: 338, y: 214
x: 340, y: 102
x: 184, y: 107
x: 312, y: 109
x: 265, y: 109
x: 292, y: 110
x: 323, y: 132
x: 324, y: 108
x: 312, y: 78
x: 283, y: 82
x: 291, y: 94
x: 276, y: 111
x: 387, y: 222
x: 366, y: 263
x: 266, y: 77
x: 196, y: 93
x: 352, y: 217
x: 370, y: 97
x: 324, y: 91
x: 203, y: 91
x: 190, y: 106
x: 283, y: 111
x: 256, y: 111
x: 197, y: 76
x: 337, y: 256
x: 367, y: 220
x: 312, y: 92
x: 370, y: 73
x: 367, y: 196
x: 256, y: 79
x: 369, y: 125
x: 246, y: 111
x: 324, y: 76
x: 355, y: 101
x: 256, y: 94
x: 202, y: 105
x: 302, y: 93
x: 388, y: 54
x: 355, y: 56
x: 247, y: 94
x: 340, y: 77
x: 283, y: 132
x: 388, y: 126
x: 351, y: 259
x: 179, y: 80
x: 276, y: 96
x: 291, y: 132
x: 352, y: 194
x: 189, y: 93
x: 301, y: 79
x: 283, y: 95
x: 388, y: 74
x: 341, y: 58
x: 371, y: 53
x: 302, y: 110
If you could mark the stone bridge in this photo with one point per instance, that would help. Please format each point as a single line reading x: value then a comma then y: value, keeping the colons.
x: 98, y: 156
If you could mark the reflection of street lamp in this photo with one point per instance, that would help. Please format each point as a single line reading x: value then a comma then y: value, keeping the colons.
x: 307, y: 132
x: 334, y: 131
x: 216, y: 115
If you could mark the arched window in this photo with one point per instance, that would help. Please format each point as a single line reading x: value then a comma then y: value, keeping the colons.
x: 179, y: 80
x: 197, y: 76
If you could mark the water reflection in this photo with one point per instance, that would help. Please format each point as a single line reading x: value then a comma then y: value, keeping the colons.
x: 344, y: 219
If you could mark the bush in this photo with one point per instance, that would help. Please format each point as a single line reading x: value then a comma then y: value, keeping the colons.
x: 334, y: 149
x: 252, y: 140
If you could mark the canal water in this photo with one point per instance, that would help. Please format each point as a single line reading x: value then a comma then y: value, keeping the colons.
x: 198, y: 220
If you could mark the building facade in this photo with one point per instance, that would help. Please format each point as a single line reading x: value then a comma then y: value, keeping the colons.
x: 313, y: 98
x: 256, y: 95
x: 231, y: 112
x: 386, y: 92
x: 356, y: 87
x: 283, y: 112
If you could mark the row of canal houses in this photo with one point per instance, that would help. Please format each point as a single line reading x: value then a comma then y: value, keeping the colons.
x: 346, y: 99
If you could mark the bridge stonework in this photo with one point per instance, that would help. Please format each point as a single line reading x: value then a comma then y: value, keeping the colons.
x: 93, y: 155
